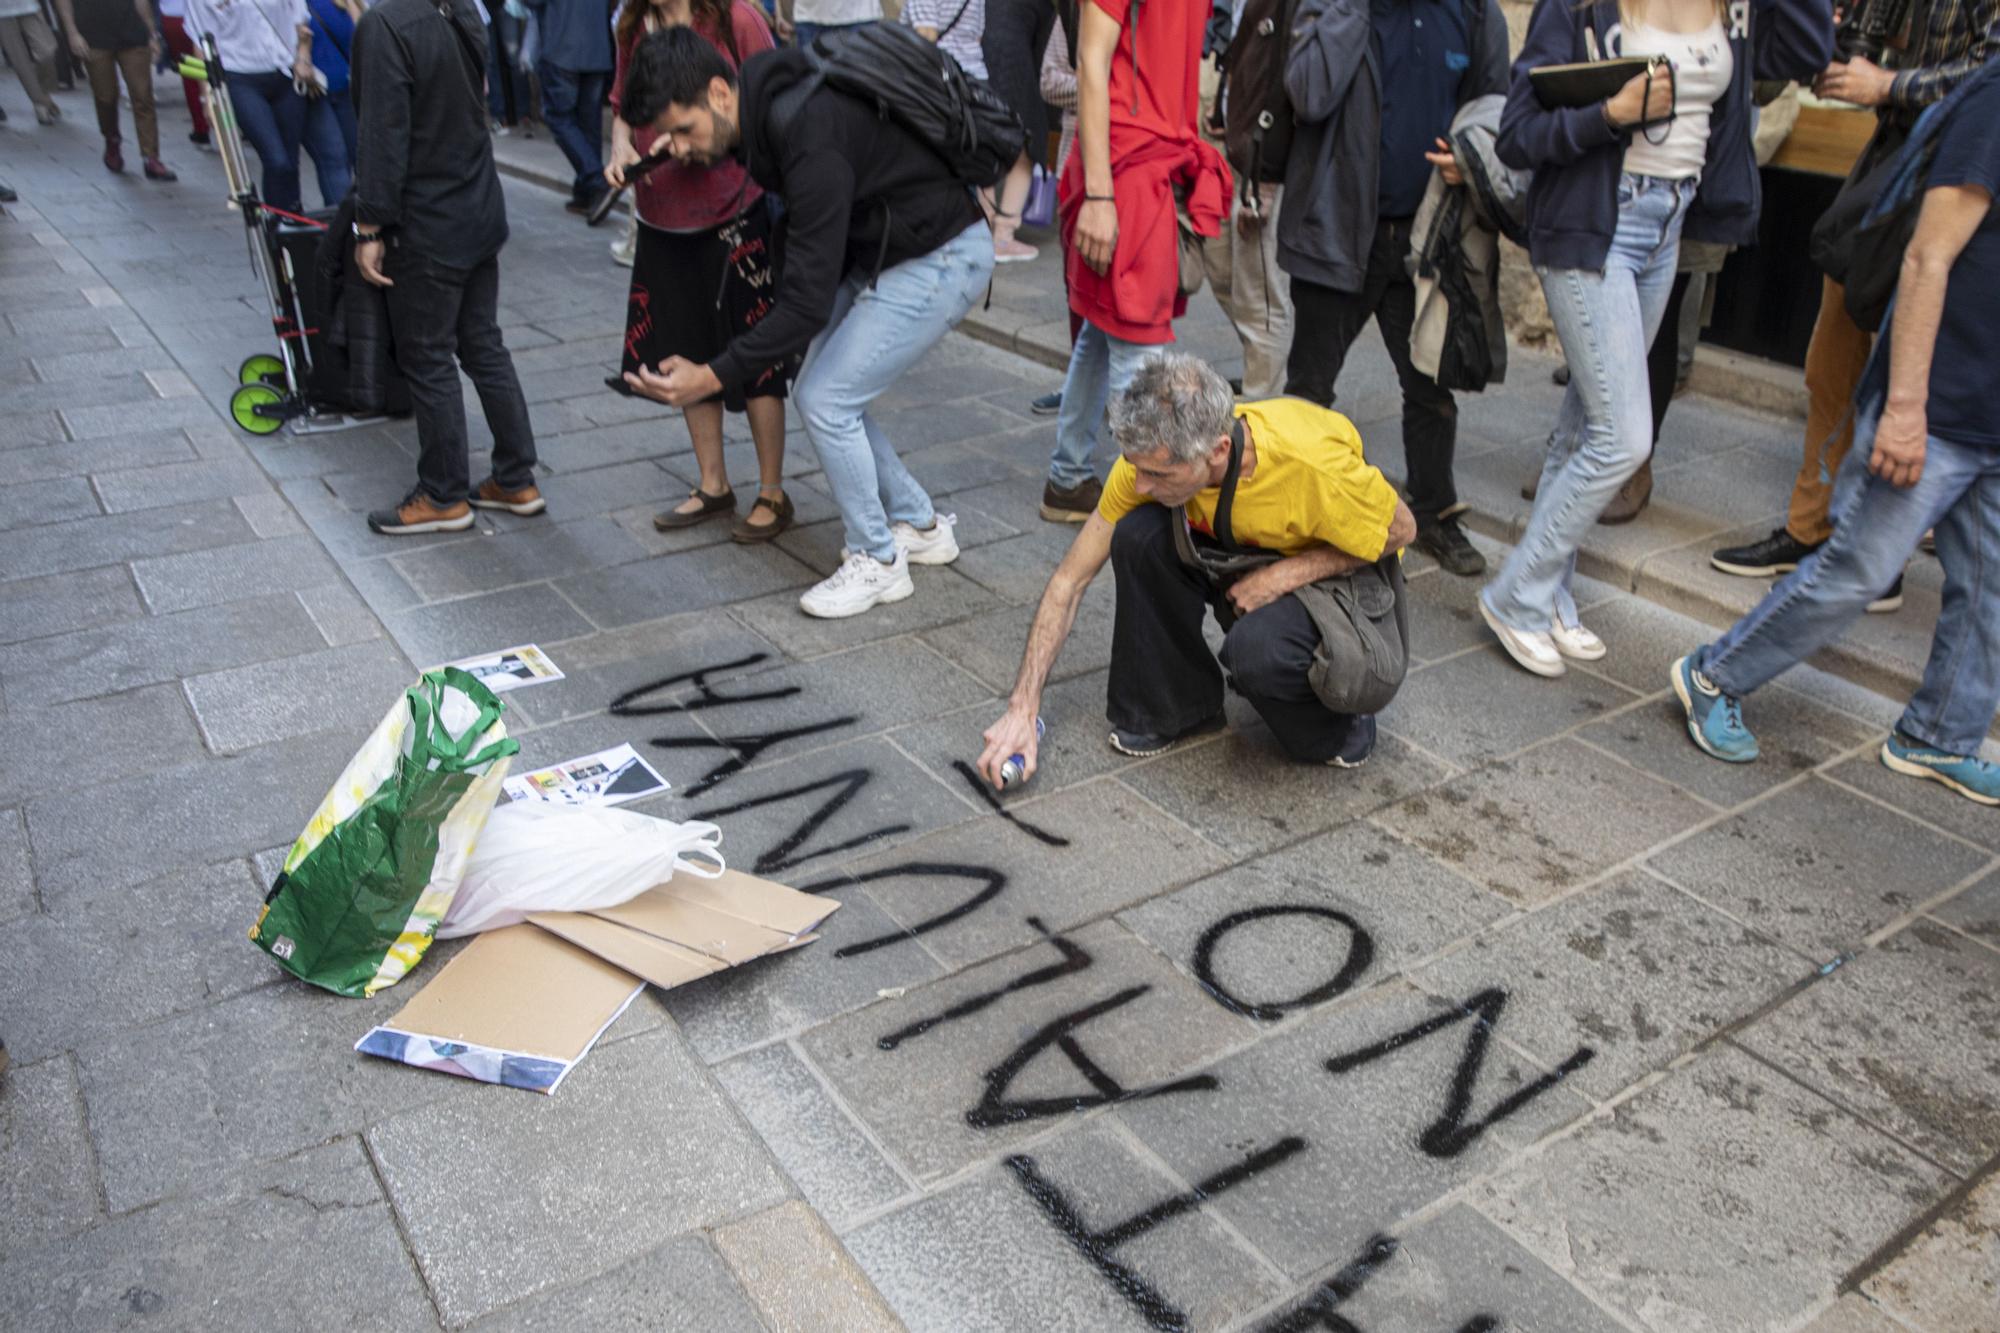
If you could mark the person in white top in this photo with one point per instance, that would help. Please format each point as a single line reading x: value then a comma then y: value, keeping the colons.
x: 266, y: 51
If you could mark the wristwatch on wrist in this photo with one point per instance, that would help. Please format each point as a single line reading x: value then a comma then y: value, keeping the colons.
x: 361, y: 235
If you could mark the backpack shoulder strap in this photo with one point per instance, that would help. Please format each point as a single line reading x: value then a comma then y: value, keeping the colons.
x: 1225, y: 535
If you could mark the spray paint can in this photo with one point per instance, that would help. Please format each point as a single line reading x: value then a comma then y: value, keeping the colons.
x: 1016, y: 765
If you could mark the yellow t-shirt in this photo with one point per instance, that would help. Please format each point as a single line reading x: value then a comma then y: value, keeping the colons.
x: 1312, y: 487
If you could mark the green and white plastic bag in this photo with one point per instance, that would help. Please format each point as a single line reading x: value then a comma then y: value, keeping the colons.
x: 368, y: 881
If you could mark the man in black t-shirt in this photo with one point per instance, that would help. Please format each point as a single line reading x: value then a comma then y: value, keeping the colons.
x: 1931, y: 400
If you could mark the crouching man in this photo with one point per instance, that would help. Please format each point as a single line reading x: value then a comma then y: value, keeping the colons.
x: 1297, y: 487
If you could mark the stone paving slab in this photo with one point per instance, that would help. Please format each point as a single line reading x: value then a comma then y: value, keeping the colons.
x: 1976, y: 911
x: 1949, y: 1277
x: 681, y: 1287
x: 1703, y: 1204
x: 86, y: 543
x: 233, y: 573
x: 504, y: 1193
x: 1903, y: 1037
x: 304, y: 1242
x: 17, y: 881
x: 270, y: 702
x: 49, y: 748
x: 33, y: 608
x: 799, y: 1276
x: 48, y: 1190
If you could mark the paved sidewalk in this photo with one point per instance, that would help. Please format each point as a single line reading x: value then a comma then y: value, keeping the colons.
x: 1541, y: 1021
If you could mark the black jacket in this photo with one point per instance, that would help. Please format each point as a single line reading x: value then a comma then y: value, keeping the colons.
x: 861, y: 194
x: 354, y: 319
x: 424, y: 169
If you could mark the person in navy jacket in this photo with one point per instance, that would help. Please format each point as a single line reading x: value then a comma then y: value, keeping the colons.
x: 1615, y: 185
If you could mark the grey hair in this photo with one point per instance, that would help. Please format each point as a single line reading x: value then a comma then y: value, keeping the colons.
x: 1176, y: 402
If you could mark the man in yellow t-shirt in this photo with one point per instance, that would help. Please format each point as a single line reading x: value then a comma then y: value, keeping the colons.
x: 1303, y: 490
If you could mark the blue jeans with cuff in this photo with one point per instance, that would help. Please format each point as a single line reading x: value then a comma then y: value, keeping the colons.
x: 573, y: 109
x: 1101, y: 368
x: 877, y: 332
x: 1876, y: 529
x: 1604, y: 432
x: 276, y: 120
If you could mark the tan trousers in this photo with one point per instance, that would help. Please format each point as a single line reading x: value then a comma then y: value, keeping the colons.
x: 31, y: 49
x: 136, y: 64
x: 1834, y: 362
x: 1242, y: 266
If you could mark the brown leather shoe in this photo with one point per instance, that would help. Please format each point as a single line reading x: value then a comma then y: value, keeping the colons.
x: 527, y: 501
x: 419, y: 513
x: 1072, y: 505
x: 1631, y: 499
x: 114, y: 157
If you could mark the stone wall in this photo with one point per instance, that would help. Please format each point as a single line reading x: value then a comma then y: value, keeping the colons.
x: 1520, y: 291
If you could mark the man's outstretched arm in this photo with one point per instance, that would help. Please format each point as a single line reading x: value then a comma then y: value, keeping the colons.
x: 1014, y: 733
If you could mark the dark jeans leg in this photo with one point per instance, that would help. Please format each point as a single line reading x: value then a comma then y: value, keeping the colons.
x: 573, y: 107
x: 327, y: 144
x: 490, y: 367
x: 1267, y: 654
x: 1164, y: 681
x: 272, y: 117
x: 1430, y: 414
x: 1326, y: 324
x: 1663, y: 359
x: 424, y: 318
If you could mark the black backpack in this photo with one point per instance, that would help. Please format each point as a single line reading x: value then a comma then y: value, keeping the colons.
x: 922, y: 88
x: 1256, y: 112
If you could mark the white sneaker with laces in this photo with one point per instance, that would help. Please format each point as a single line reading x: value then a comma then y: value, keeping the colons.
x: 934, y: 545
x: 1576, y: 642
x: 861, y: 582
x: 1534, y: 652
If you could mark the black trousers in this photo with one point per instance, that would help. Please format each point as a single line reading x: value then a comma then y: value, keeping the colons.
x: 443, y: 318
x: 1326, y: 326
x: 1663, y: 358
x: 1165, y: 682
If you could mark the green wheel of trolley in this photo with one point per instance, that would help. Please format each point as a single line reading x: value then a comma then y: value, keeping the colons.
x: 256, y: 408
x: 263, y: 368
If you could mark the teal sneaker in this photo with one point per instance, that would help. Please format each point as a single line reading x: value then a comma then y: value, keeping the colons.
x: 1715, y: 720
x: 1971, y: 777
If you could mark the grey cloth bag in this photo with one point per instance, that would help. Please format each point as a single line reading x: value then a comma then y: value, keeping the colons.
x: 1363, y: 617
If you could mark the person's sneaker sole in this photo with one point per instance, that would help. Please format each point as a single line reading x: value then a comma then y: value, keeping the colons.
x: 1055, y: 515
x: 1548, y: 671
x: 533, y: 507
x: 1778, y: 570
x: 1882, y: 606
x: 1694, y: 732
x: 1908, y: 769
x: 419, y: 529
x: 894, y: 594
x: 1208, y: 728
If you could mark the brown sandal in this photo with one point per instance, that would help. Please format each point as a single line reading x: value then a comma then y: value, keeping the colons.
x: 781, y: 518
x: 711, y: 505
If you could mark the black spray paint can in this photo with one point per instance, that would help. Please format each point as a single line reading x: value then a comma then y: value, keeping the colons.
x: 1017, y: 764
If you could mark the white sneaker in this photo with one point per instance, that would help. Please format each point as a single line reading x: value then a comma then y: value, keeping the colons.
x: 861, y: 581
x: 1576, y: 642
x: 927, y: 546
x: 1534, y: 651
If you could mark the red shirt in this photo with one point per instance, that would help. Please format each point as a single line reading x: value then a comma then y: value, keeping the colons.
x: 1168, y: 77
x: 673, y: 197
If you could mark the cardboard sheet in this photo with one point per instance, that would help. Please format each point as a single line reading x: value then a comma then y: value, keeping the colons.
x: 520, y: 1006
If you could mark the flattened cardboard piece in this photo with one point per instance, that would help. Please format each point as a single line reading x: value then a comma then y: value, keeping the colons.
x: 704, y: 914
x: 517, y: 1006
x: 659, y: 961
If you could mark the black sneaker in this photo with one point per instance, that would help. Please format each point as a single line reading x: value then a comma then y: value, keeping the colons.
x: 1360, y: 743
x: 1140, y: 745
x: 1891, y: 600
x: 1074, y: 504
x: 1047, y: 405
x: 1779, y: 553
x: 1445, y: 542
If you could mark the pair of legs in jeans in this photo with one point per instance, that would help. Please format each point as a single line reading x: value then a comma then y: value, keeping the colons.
x: 277, y: 121
x: 1329, y: 321
x: 1165, y: 683
x: 1877, y: 529
x: 441, y: 315
x: 1604, y: 431
x: 878, y: 331
x: 1101, y: 367
x: 573, y: 109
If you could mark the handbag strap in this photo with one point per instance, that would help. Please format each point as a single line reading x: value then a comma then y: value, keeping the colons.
x: 1225, y: 536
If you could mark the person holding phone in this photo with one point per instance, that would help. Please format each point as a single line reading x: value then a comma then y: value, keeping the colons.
x: 267, y: 65
x: 1615, y: 184
x: 703, y: 229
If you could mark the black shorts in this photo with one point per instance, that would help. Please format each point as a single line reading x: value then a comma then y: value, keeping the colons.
x: 693, y: 292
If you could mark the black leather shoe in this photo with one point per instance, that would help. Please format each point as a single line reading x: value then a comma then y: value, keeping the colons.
x: 1445, y: 542
x: 1779, y: 553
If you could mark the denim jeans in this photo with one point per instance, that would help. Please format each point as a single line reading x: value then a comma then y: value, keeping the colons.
x: 276, y: 120
x: 330, y: 134
x: 1876, y: 530
x: 506, y: 84
x: 438, y: 313
x: 1604, y: 432
x: 573, y: 109
x: 876, y: 333
x: 1100, y: 367
x: 803, y: 33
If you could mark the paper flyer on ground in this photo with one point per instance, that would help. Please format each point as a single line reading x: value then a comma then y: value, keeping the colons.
x: 609, y: 777
x: 512, y: 668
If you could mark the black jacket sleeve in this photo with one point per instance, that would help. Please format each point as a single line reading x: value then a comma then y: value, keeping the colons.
x: 819, y: 201
x: 382, y: 152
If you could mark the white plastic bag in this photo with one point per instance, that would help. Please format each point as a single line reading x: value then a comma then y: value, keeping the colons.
x: 548, y: 858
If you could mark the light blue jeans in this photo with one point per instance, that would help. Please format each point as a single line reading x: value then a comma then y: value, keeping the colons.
x: 876, y: 333
x: 1100, y: 367
x: 1604, y: 431
x: 1876, y: 529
